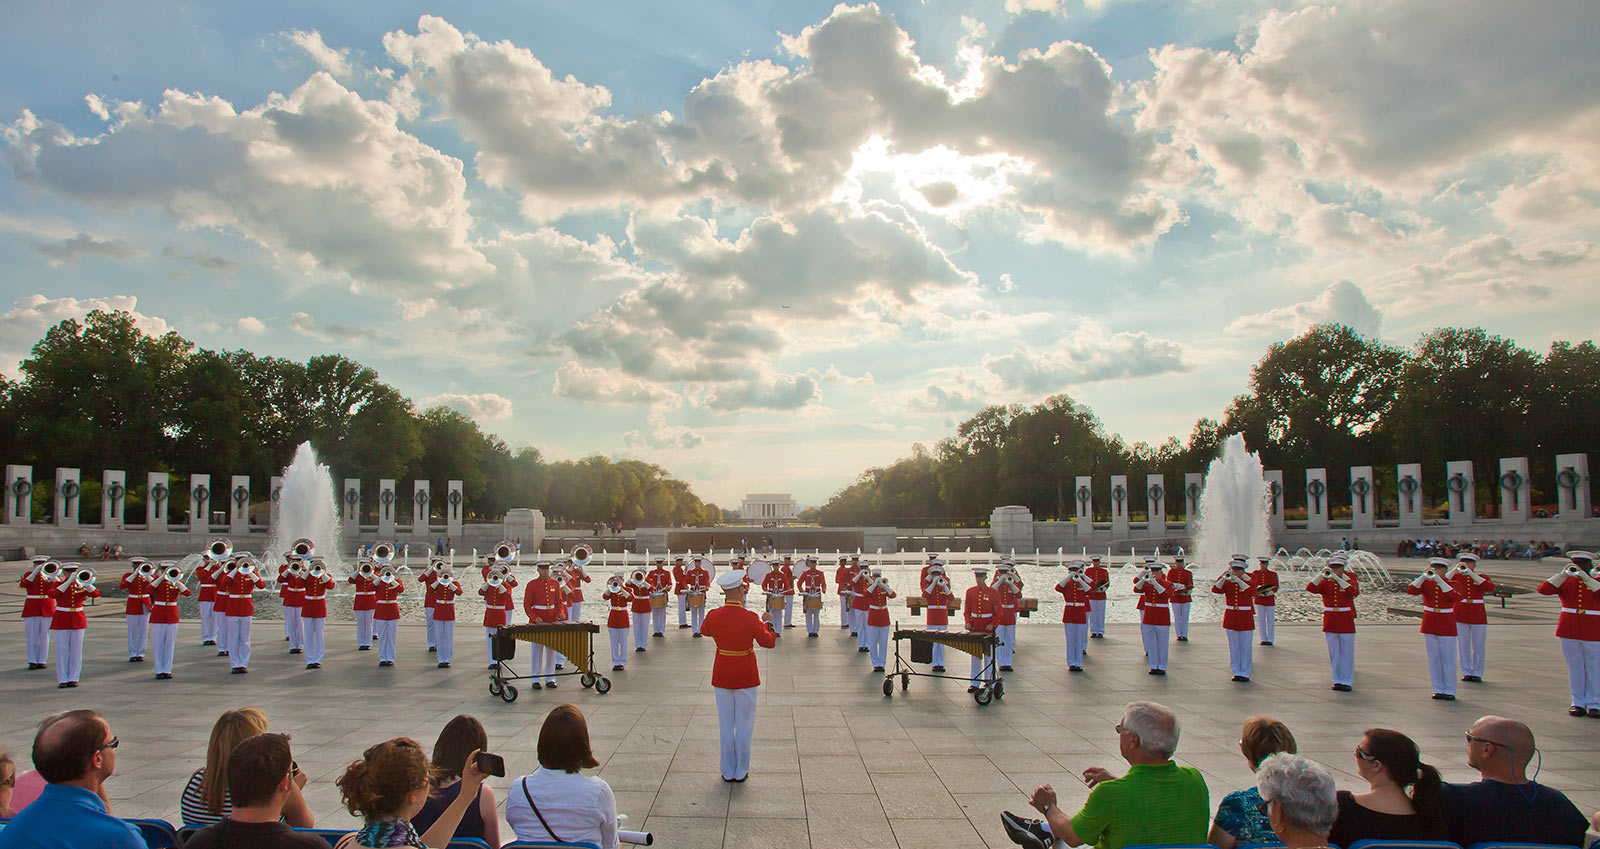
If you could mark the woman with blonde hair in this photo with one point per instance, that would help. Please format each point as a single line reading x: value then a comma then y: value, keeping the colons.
x: 1240, y: 817
x: 390, y: 784
x: 8, y: 783
x: 205, y: 798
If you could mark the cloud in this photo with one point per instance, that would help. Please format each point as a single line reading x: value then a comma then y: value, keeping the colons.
x: 30, y: 317
x: 659, y: 434
x: 201, y: 259
x: 336, y: 62
x: 305, y: 325
x: 1492, y: 263
x: 67, y: 251
x: 485, y: 406
x: 604, y: 386
x: 1091, y: 354
x: 940, y: 399
x: 773, y: 392
x: 1341, y: 303
x: 250, y: 324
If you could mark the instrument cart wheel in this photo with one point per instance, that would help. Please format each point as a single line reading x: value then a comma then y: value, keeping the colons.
x: 509, y: 693
x: 587, y: 679
x: 999, y: 690
x: 905, y: 681
x: 602, y: 685
x: 495, y: 685
x: 983, y: 696
x: 888, y: 686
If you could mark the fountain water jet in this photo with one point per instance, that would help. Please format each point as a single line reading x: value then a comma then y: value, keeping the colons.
x: 1233, y: 507
x: 306, y: 508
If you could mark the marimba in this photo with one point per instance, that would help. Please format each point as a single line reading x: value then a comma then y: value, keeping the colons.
x: 977, y: 644
x: 572, y: 640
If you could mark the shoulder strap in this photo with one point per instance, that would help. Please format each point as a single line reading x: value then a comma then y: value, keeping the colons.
x: 529, y: 797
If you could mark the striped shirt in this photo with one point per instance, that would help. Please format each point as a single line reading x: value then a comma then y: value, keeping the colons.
x: 193, y: 806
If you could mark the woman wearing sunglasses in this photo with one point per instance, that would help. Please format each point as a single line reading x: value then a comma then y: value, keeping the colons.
x: 1390, y: 762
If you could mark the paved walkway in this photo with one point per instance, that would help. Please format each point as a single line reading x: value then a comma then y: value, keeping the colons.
x: 836, y: 764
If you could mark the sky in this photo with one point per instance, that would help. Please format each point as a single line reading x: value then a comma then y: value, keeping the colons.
x: 769, y: 244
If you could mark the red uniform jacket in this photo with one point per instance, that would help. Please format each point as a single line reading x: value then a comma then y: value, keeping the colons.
x: 497, y: 607
x: 680, y: 579
x: 430, y: 595
x: 39, y: 601
x: 641, y: 596
x: 1099, y: 578
x: 699, y: 580
x: 1469, y: 599
x: 922, y: 579
x: 878, y: 607
x: 787, y: 572
x: 241, y: 602
x: 293, y: 590
x: 69, y: 600
x: 1338, y: 606
x: 575, y: 583
x: 1438, y: 607
x: 844, y: 578
x: 1266, y: 584
x: 858, y: 585
x: 1007, y: 603
x: 1238, y: 611
x: 542, y: 601
x: 773, y: 583
x: 138, y: 590
x: 1075, y: 600
x: 1580, y: 609
x: 444, y: 605
x: 1182, y: 581
x: 365, y: 597
x: 938, y: 604
x: 979, y: 609
x: 208, y: 582
x: 387, y: 596
x: 1156, y: 594
x: 812, y: 582
x: 737, y: 631
x: 660, y: 581
x: 316, y: 597
x: 164, y: 602
x: 619, y: 601
x: 224, y: 593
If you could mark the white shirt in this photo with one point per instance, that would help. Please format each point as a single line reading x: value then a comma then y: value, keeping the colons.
x: 580, y: 808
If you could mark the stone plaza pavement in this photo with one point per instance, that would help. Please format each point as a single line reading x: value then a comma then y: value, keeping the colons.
x: 836, y: 763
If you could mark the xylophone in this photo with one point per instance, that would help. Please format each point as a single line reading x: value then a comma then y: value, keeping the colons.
x: 572, y: 640
x: 976, y: 643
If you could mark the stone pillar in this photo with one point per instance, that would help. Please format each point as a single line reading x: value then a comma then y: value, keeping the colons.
x: 199, y: 504
x: 19, y: 495
x: 1274, y: 479
x: 1572, y: 485
x: 1408, y: 493
x: 421, y: 506
x: 454, y: 506
x: 239, y: 505
x: 157, y: 501
x: 1515, y: 490
x: 1011, y: 528
x: 350, y: 506
x: 388, y: 500
x: 275, y: 496
x: 1316, y: 499
x: 1156, y: 496
x: 67, y: 499
x: 1459, y: 491
x: 1194, y: 484
x: 1120, y: 496
x: 527, y: 526
x: 113, y: 500
x: 1363, y: 498
x: 1083, y: 497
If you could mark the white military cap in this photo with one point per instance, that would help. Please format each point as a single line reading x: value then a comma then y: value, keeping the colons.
x: 732, y: 579
x: 1581, y: 555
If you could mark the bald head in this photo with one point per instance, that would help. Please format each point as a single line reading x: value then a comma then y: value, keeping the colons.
x: 1508, y: 735
x: 65, y: 747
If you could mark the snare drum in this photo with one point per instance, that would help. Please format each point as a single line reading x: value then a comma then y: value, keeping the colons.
x: 813, y: 602
x: 658, y: 601
x: 697, y: 599
x: 774, y: 602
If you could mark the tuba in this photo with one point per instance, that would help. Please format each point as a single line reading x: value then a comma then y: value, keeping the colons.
x: 636, y: 576
x: 302, y: 548
x: 365, y: 569
x: 49, y: 570
x: 581, y: 555
x: 219, y: 549
x: 82, y: 576
x: 143, y: 567
x: 383, y: 552
x: 171, y: 573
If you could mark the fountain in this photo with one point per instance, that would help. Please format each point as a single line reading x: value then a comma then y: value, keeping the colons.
x: 1234, y: 507
x: 306, y: 508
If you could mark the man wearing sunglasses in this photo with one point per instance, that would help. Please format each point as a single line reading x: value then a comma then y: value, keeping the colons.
x: 75, y: 752
x: 1505, y: 806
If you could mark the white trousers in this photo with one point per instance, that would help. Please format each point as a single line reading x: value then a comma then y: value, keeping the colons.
x: 1180, y: 619
x: 433, y: 628
x: 1265, y: 620
x: 542, y: 664
x: 683, y: 609
x: 877, y: 644
x: 1008, y: 641
x: 388, y: 635
x: 38, y: 628
x: 294, y: 626
x: 220, y: 628
x: 1097, y: 616
x: 736, y: 717
x: 658, y: 620
x: 860, y: 628
x: 788, y: 610
x: 444, y: 631
x: 1241, y: 646
x: 813, y: 620
x: 981, y: 671
x: 1155, y: 644
x: 208, y: 621
x: 619, y: 646
x: 239, y: 640
x: 641, y: 630
x: 844, y: 613
x: 1583, y: 670
x: 69, y: 655
x: 311, y: 629
x: 1342, y: 658
x: 364, y: 627
x: 1471, y: 641
x: 575, y: 612
x: 138, y: 633
x: 1077, y: 640
x: 1441, y: 663
x: 696, y: 616
x: 164, y: 641
x: 488, y: 645
x: 938, y: 648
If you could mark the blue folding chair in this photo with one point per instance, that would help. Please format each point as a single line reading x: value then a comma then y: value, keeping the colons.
x: 331, y: 835
x: 1259, y: 846
x: 187, y: 832
x: 1404, y: 844
x: 468, y: 843
x: 157, y: 834
x: 1520, y: 846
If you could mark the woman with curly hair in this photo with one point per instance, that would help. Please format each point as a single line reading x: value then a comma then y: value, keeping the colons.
x: 389, y: 785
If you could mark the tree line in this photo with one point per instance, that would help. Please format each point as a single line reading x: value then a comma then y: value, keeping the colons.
x: 102, y: 394
x: 1328, y: 398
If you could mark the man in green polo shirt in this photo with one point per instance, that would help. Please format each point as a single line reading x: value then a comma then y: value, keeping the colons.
x: 1156, y: 802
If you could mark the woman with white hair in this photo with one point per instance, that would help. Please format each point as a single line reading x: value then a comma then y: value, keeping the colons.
x: 1299, y: 797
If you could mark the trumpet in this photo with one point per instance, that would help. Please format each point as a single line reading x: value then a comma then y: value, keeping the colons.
x: 504, y: 551
x: 318, y: 569
x: 383, y: 552
x: 637, y: 576
x: 220, y: 548
x: 495, y: 582
x: 48, y: 569
x: 230, y: 566
x: 302, y: 548
x: 246, y: 563
x: 387, y: 575
x: 365, y: 569
x: 581, y: 555
x: 1572, y: 569
x: 170, y: 573
x: 81, y: 576
x: 143, y: 567
x: 938, y: 582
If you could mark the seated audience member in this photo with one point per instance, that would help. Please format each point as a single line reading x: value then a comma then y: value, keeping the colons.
x: 205, y: 798
x: 75, y: 752
x: 1239, y: 817
x: 261, y: 774
x: 1505, y: 806
x: 557, y: 801
x: 8, y: 784
x: 1156, y: 802
x: 460, y: 737
x: 27, y: 786
x: 1299, y: 797
x: 1390, y: 762
x: 389, y: 785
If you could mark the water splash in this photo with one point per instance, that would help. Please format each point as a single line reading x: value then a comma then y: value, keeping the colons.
x: 307, y: 508
x: 1233, y: 507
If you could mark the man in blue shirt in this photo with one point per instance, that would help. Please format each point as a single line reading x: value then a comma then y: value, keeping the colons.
x: 1505, y: 806
x: 75, y: 752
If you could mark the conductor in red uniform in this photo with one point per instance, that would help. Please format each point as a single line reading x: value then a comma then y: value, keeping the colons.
x: 734, y: 674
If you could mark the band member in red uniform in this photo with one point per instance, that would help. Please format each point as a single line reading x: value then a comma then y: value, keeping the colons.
x: 1238, y: 615
x: 639, y: 588
x: 292, y: 588
x: 844, y: 578
x: 734, y: 674
x: 699, y: 585
x: 242, y: 611
x: 1155, y: 620
x: 446, y: 589
x: 927, y: 568
x: 1578, y: 586
x: 878, y: 595
x: 365, y: 604
x: 282, y: 582
x: 68, y: 622
x: 1338, y: 591
x: 206, y: 574
x: 1266, y: 584
x: 787, y: 568
x: 858, y: 602
x: 660, y: 581
x: 576, y: 578
x: 1008, y: 592
x: 1182, y: 581
x: 497, y: 607
x: 429, y: 599
x: 314, y: 612
x: 542, y: 601
x: 226, y: 572
x: 1472, y: 621
x: 811, y: 584
x: 165, y: 591
x: 618, y: 622
x: 772, y: 586
x: 680, y: 588
x: 136, y: 582
x: 39, y: 609
x: 979, y: 610
x: 936, y: 598
x: 386, y: 614
x: 1099, y: 580
x: 1438, y: 625
x: 1075, y: 589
